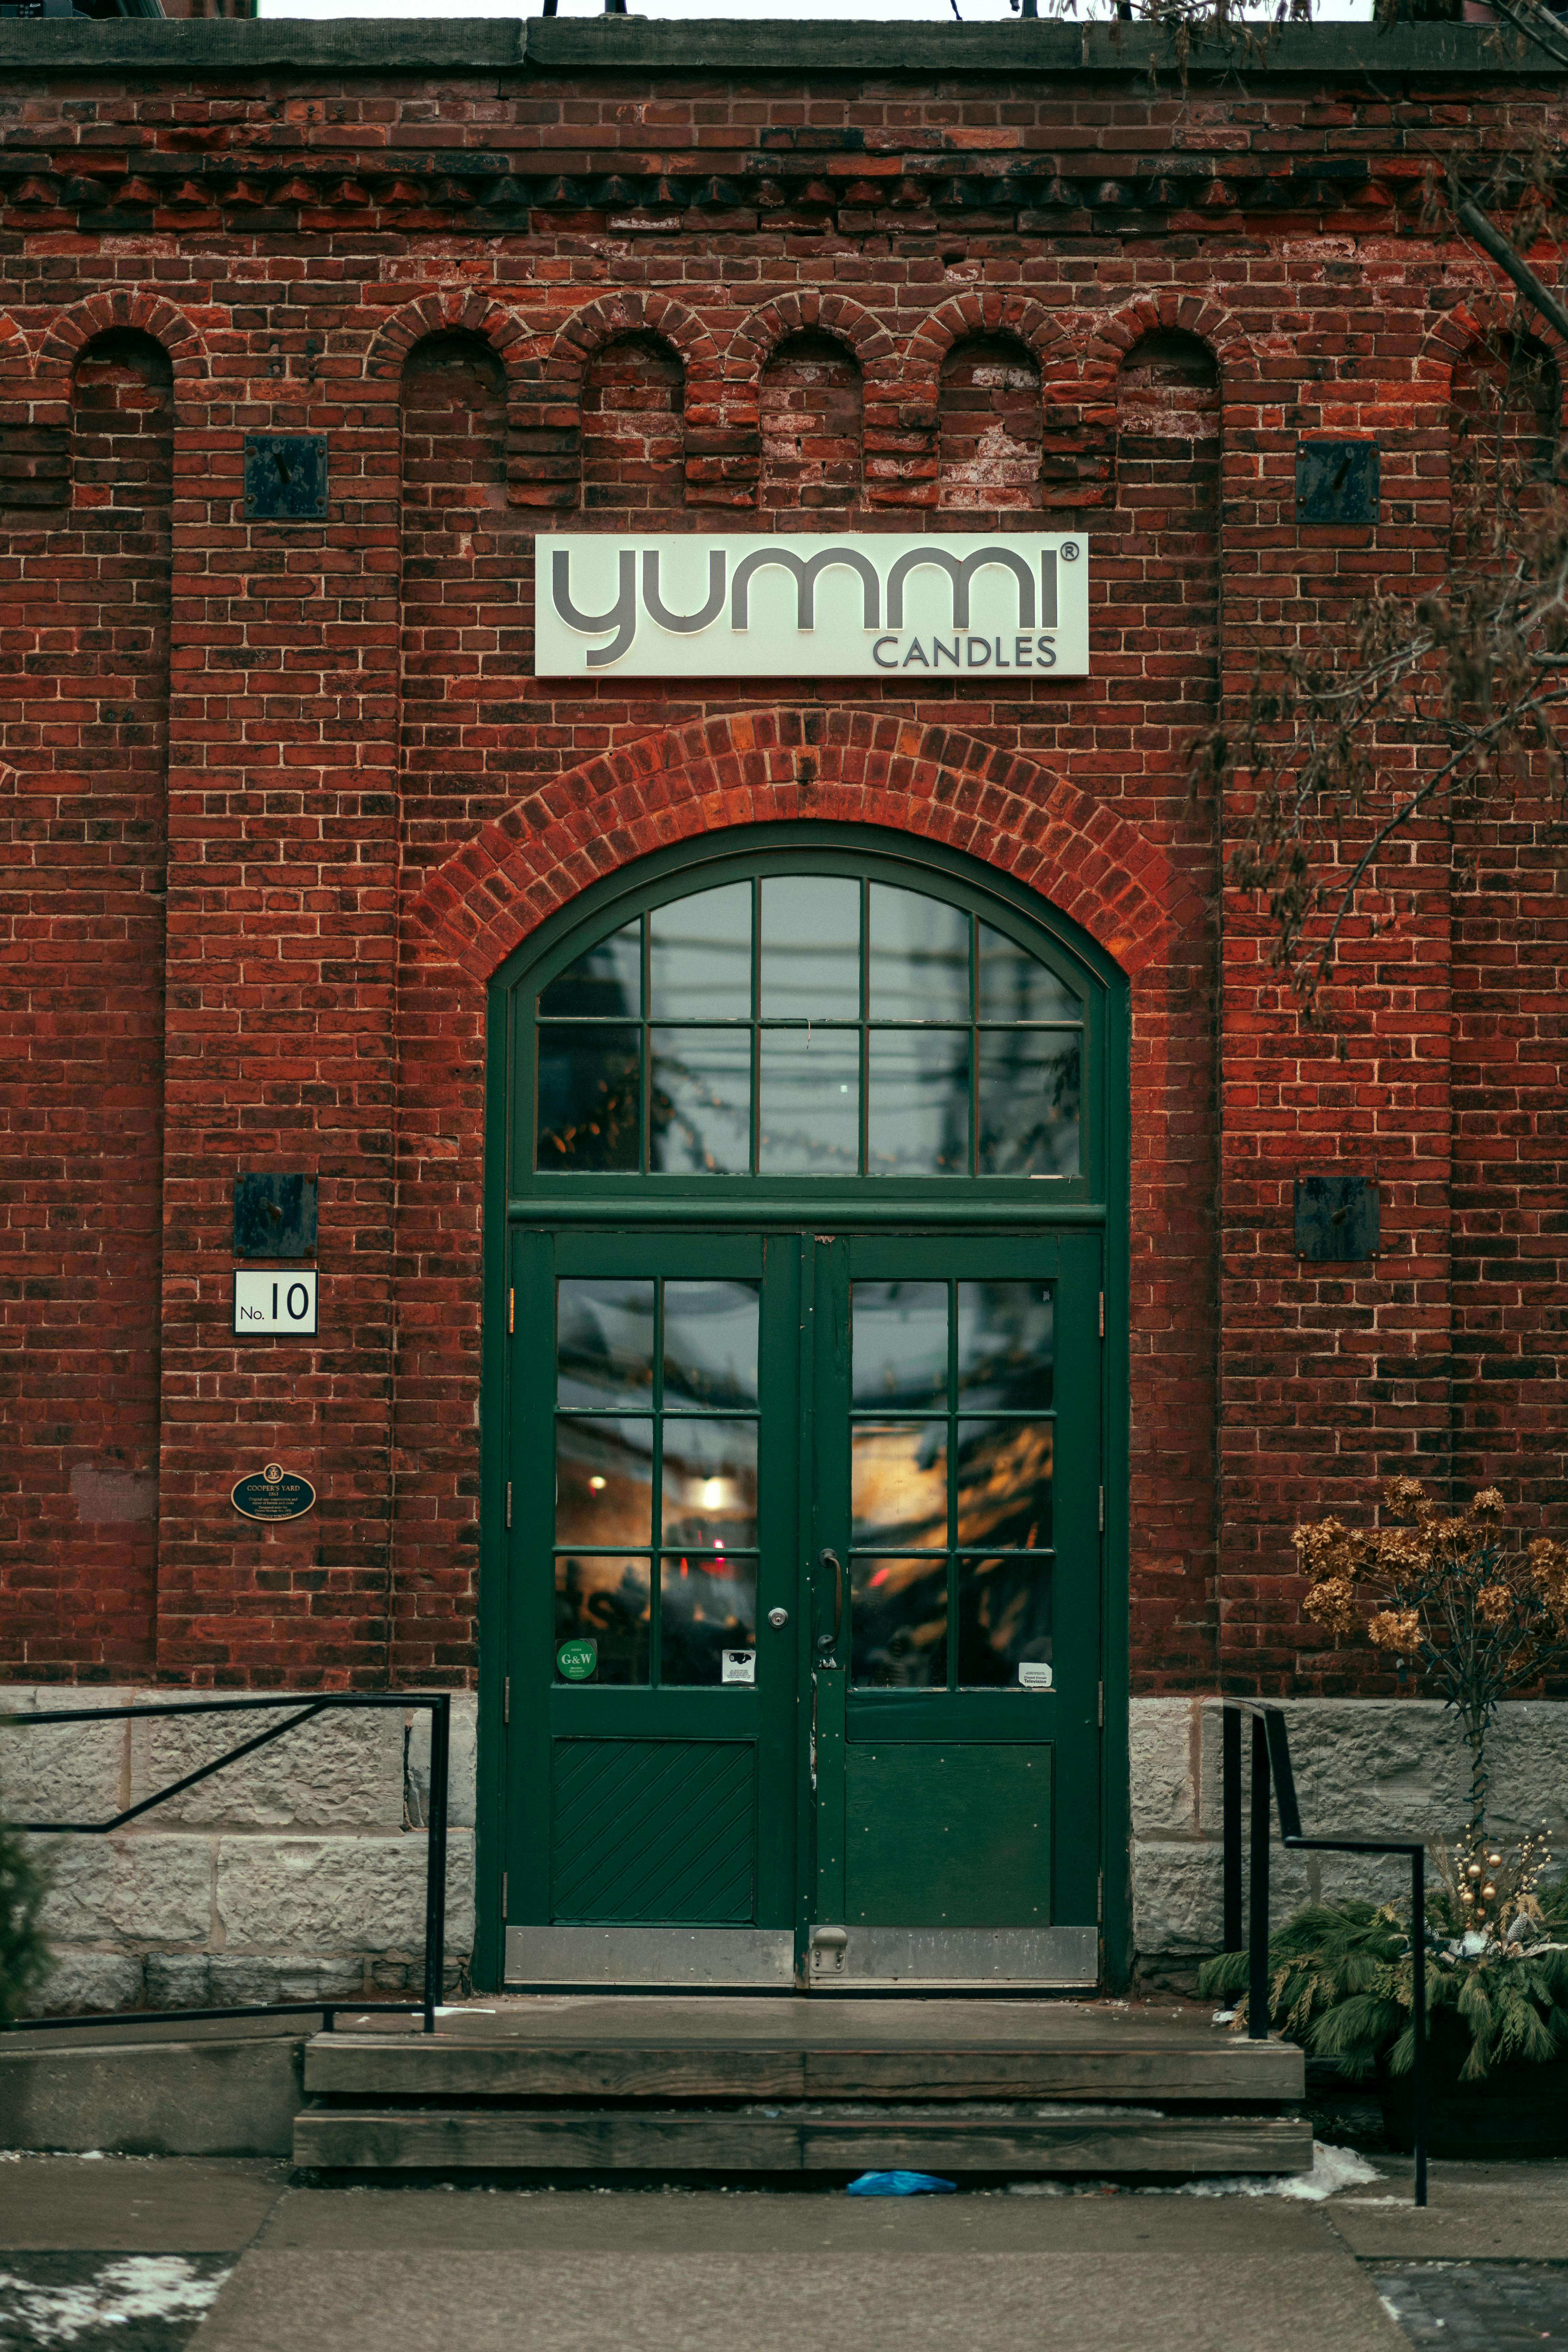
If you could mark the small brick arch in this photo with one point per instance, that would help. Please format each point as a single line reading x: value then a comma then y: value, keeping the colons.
x: 812, y: 311
x: 102, y: 314
x: 848, y: 767
x: 452, y: 311
x: 1484, y: 316
x: 986, y: 311
x: 545, y: 451
x: 1163, y: 314
x: 983, y: 312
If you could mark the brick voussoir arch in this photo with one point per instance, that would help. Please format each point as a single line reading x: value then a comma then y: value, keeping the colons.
x: 987, y: 312
x: 599, y: 322
x: 453, y: 310
x: 926, y: 780
x: 1169, y: 312
x: 101, y: 314
x: 1482, y: 318
x: 815, y: 309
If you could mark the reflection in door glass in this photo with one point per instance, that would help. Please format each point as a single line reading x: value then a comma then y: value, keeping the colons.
x: 707, y: 1605
x: 700, y: 1102
x: 1006, y: 1346
x: 604, y: 1342
x: 1004, y: 1483
x: 811, y: 948
x: 810, y: 1116
x: 700, y: 956
x: 917, y: 1123
x: 603, y: 1481
x: 1003, y: 1619
x: 1030, y: 1085
x: 919, y: 957
x: 898, y: 1479
x: 710, y: 1483
x: 1015, y: 987
x: 898, y: 1610
x: 710, y: 1344
x: 589, y: 1098
x: 605, y: 1600
x: 899, y: 1345
x: 603, y: 984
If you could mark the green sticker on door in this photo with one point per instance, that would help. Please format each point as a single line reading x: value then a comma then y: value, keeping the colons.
x: 576, y: 1662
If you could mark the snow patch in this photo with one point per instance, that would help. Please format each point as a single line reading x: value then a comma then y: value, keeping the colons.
x: 143, y: 2286
x: 1333, y: 2170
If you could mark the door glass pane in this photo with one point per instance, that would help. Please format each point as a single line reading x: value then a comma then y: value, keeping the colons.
x: 604, y: 983
x: 708, y: 1605
x: 709, y: 1491
x: 898, y: 1477
x: 603, y: 1481
x: 919, y: 957
x: 898, y: 1612
x: 899, y: 1345
x: 699, y: 1107
x: 709, y: 1343
x: 1006, y: 1346
x: 918, y: 1114
x: 1018, y: 987
x: 700, y: 956
x: 587, y: 1099
x: 811, y: 948
x: 811, y: 1103
x: 1029, y: 1109
x: 604, y: 1340
x: 605, y: 1600
x: 1004, y: 1483
x: 1003, y: 1619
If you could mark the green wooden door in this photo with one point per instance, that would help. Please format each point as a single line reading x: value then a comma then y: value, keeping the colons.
x: 653, y: 1708
x: 806, y: 1175
x: 956, y: 1536
x: 805, y: 1609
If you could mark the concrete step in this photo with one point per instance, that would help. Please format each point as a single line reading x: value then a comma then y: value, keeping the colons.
x: 850, y: 2138
x: 470, y: 2066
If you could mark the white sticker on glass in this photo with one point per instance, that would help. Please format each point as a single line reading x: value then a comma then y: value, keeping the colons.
x: 1033, y: 1675
x: 738, y: 1666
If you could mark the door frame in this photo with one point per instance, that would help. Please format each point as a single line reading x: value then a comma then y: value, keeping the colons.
x: 688, y: 861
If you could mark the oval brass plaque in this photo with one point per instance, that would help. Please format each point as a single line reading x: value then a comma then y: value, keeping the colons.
x: 273, y: 1494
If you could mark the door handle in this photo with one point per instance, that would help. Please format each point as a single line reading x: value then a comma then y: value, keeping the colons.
x: 828, y: 1643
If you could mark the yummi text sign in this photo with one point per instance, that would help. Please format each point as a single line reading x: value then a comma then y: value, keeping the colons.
x: 969, y: 604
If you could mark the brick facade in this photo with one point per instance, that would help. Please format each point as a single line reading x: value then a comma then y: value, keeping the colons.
x: 277, y: 799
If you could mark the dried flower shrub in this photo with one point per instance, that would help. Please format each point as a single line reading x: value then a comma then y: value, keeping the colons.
x: 1458, y: 1596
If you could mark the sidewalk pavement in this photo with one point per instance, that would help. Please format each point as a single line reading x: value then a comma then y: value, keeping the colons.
x: 592, y: 2270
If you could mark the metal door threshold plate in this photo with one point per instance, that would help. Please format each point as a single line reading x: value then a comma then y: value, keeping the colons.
x: 723, y: 1959
x: 1043, y: 1960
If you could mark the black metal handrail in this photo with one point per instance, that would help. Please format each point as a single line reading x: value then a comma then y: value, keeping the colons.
x: 439, y: 1706
x: 1271, y: 1763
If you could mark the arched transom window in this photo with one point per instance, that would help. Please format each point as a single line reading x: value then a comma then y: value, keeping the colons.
x: 809, y: 1025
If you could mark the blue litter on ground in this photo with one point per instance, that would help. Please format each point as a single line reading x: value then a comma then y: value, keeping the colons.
x: 898, y: 2184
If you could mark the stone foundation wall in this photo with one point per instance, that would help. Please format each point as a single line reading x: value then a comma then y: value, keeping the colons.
x: 296, y: 1875
x: 1365, y: 1767
x: 299, y: 1873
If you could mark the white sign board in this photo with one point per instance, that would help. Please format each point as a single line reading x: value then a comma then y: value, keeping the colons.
x: 925, y: 609
x: 275, y: 1301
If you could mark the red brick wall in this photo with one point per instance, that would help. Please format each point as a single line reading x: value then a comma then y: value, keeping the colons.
x: 845, y: 318
x: 82, y: 1101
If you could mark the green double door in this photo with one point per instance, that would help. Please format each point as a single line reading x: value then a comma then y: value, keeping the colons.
x: 804, y: 1623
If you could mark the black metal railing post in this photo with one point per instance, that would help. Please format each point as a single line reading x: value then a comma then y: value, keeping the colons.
x: 1271, y: 1765
x: 1257, y: 2002
x: 298, y: 1709
x: 1230, y: 1786
x: 436, y: 1871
